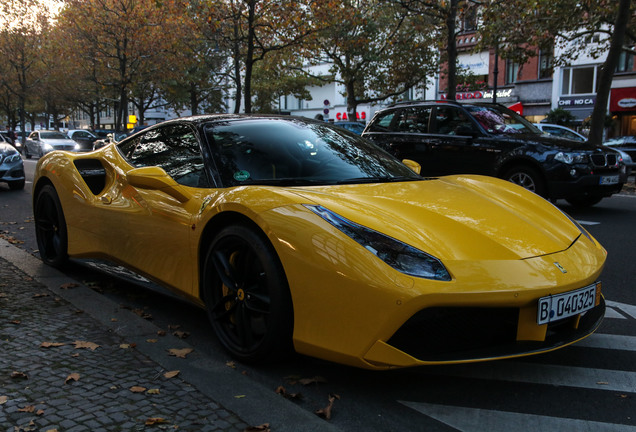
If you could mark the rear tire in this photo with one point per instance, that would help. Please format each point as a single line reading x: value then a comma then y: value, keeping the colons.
x: 247, y: 296
x: 50, y: 227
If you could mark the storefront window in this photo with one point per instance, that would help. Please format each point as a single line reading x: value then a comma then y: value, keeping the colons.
x: 625, y: 62
x: 545, y: 64
x: 512, y: 70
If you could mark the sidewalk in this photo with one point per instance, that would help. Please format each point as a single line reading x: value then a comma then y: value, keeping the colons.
x: 72, y: 360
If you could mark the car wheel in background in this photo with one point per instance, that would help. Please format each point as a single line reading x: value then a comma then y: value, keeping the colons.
x: 50, y: 227
x: 587, y: 201
x: 526, y: 177
x: 247, y: 296
x: 16, y: 185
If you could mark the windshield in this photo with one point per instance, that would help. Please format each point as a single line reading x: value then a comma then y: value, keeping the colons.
x: 498, y: 120
x: 292, y: 152
x: 52, y: 135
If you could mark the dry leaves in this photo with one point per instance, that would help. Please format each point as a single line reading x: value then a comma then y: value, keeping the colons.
x: 68, y: 285
x: 261, y: 428
x: 137, y: 389
x: 3, y: 400
x: 283, y: 392
x: 180, y: 353
x: 84, y: 344
x: 51, y: 344
x: 293, y: 380
x: 326, y: 411
x: 16, y: 374
x: 72, y: 377
x: 181, y: 334
x: 154, y: 391
x: 171, y: 374
x: 31, y: 409
x: 155, y: 420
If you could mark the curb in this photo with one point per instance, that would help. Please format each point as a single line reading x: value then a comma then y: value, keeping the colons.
x: 257, y: 404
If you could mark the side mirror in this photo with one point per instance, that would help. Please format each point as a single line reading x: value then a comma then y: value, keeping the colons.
x: 155, y: 178
x: 414, y: 166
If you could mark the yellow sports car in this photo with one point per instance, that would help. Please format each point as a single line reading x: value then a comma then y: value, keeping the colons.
x: 294, y: 234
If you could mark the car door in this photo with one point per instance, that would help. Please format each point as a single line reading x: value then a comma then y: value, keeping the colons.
x: 148, y: 228
x: 33, y: 143
x: 404, y: 132
x: 456, y: 144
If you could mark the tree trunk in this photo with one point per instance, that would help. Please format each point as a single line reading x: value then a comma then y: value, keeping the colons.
x: 249, y: 59
x: 352, y: 103
x: 451, y: 51
x: 607, y: 72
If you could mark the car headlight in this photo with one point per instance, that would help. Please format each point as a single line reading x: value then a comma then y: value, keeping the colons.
x: 77, y: 147
x: 571, y: 158
x: 48, y: 147
x: 401, y: 256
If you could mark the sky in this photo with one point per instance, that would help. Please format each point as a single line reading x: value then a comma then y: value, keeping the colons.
x: 52, y: 6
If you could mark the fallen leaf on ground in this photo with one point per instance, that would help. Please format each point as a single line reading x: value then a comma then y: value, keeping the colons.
x: 161, y: 333
x: 151, y: 340
x: 69, y: 285
x: 153, y: 391
x: 181, y: 353
x: 72, y: 377
x: 239, y: 396
x: 40, y: 295
x: 16, y: 322
x: 3, y: 400
x: 137, y: 389
x: 314, y: 380
x: 262, y: 428
x: 28, y: 408
x: 142, y: 313
x: 171, y: 374
x: 154, y: 420
x: 283, y: 392
x: 84, y: 344
x: 181, y: 334
x: 230, y: 364
x: 173, y: 326
x: 326, y: 411
x: 16, y: 374
x: 51, y: 344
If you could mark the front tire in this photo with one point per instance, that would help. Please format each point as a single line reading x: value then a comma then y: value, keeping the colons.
x: 526, y: 177
x: 50, y: 227
x: 247, y: 296
x: 586, y: 201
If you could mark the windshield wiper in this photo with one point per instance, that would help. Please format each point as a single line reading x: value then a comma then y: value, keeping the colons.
x: 377, y: 180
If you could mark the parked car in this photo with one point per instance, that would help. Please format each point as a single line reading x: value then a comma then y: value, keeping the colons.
x: 11, y: 166
x: 482, y: 138
x: 11, y: 138
x: 43, y: 141
x: 83, y: 137
x: 564, y: 132
x: 626, y: 144
x: 355, y: 127
x: 277, y: 225
x: 560, y: 131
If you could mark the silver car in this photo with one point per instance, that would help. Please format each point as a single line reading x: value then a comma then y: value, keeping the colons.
x: 11, y: 166
x: 41, y: 142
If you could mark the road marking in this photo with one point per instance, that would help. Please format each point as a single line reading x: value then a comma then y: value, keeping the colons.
x: 623, y: 307
x: 607, y: 341
x: 478, y: 420
x: 567, y: 376
x: 588, y: 222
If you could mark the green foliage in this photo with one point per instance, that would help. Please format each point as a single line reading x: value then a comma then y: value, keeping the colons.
x: 560, y: 116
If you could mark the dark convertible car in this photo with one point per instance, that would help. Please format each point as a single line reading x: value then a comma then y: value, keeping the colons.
x: 483, y: 138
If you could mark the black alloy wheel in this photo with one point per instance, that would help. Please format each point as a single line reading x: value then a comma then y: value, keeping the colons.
x: 527, y: 178
x: 50, y: 227
x: 247, y: 296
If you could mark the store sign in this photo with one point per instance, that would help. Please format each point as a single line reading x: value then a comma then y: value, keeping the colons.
x: 485, y: 94
x: 623, y: 99
x: 359, y: 116
x: 577, y: 102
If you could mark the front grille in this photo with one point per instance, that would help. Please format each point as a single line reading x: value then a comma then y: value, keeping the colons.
x: 442, y: 333
x: 604, y: 159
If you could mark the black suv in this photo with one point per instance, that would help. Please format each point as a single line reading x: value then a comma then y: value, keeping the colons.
x: 483, y: 138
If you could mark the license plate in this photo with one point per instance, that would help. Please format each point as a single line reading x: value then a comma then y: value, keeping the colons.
x: 556, y: 307
x: 609, y: 180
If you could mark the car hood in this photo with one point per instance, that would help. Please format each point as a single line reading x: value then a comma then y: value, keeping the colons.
x: 6, y: 149
x: 551, y: 141
x: 58, y: 142
x: 455, y: 218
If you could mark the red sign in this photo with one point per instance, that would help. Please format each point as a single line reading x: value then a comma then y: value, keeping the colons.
x: 343, y: 116
x: 623, y: 99
x: 518, y: 108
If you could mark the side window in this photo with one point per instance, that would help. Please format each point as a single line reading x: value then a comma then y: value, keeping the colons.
x: 452, y: 121
x: 174, y: 148
x: 383, y: 122
x: 413, y: 120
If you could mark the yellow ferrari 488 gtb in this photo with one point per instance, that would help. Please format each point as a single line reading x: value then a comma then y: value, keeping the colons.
x: 294, y: 234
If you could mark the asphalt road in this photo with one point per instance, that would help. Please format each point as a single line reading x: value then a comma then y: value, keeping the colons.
x: 590, y: 386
